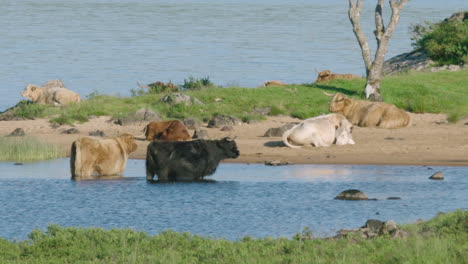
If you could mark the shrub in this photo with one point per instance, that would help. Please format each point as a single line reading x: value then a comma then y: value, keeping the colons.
x: 445, y: 42
x: 196, y: 84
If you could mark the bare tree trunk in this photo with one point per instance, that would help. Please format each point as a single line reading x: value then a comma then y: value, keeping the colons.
x: 374, y: 68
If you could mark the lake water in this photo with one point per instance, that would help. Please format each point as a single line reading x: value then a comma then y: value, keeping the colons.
x: 246, y: 200
x: 109, y: 45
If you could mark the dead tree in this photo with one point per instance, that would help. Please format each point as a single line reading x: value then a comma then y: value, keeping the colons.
x: 374, y: 68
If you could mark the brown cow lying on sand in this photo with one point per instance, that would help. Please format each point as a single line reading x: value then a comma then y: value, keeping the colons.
x: 173, y: 130
x: 274, y: 83
x: 327, y: 75
x: 100, y: 157
x: 369, y: 114
x: 53, y: 96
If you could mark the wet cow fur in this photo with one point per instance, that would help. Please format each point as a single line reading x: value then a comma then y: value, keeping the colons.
x: 187, y: 160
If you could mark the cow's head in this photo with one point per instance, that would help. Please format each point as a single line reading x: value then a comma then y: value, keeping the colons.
x: 338, y: 103
x: 32, y: 92
x: 228, y: 147
x: 344, y: 133
x: 323, y: 76
x: 128, y: 141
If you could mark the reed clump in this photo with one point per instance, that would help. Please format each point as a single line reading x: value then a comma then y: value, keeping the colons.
x: 20, y: 149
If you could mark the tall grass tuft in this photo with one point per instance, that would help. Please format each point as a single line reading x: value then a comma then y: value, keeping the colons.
x: 28, y: 149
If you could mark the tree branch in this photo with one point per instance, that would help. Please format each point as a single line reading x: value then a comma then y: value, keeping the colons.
x: 354, y: 14
x: 379, y: 24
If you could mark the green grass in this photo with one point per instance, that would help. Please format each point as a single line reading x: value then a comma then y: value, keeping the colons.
x: 21, y: 149
x: 441, y: 92
x: 444, y: 239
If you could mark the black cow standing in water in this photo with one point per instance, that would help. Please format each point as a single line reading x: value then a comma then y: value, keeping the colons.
x: 187, y: 160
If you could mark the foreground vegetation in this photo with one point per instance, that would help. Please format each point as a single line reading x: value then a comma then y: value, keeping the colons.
x: 441, y: 92
x: 443, y: 239
x: 21, y: 149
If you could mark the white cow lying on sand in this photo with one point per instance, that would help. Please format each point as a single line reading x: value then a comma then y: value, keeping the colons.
x: 320, y: 131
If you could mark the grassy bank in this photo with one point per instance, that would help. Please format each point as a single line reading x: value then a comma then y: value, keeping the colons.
x: 21, y: 149
x: 444, y: 239
x: 441, y: 92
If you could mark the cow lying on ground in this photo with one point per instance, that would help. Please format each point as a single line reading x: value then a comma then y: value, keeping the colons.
x: 100, y: 157
x: 187, y: 160
x: 327, y: 75
x: 320, y: 131
x: 274, y: 83
x: 53, y: 96
x: 369, y: 114
x: 174, y: 130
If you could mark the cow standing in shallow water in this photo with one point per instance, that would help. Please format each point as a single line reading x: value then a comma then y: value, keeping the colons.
x: 187, y: 160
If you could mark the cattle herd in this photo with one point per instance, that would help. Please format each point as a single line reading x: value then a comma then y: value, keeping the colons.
x: 173, y: 156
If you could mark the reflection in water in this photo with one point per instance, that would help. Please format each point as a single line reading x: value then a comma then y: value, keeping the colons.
x: 254, y: 200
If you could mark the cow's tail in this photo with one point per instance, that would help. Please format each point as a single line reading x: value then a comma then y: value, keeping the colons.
x: 75, y: 159
x: 286, y: 138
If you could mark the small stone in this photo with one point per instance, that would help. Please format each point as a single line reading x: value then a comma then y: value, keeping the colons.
x: 18, y: 163
x: 388, y: 227
x: 352, y: 194
x: 261, y: 111
x: 277, y: 163
x: 277, y: 131
x: 374, y: 225
x: 227, y: 128
x: 19, y: 132
x: 71, y: 131
x: 97, y: 133
x: 393, y: 198
x: 55, y: 125
x: 192, y: 123
x: 437, y: 176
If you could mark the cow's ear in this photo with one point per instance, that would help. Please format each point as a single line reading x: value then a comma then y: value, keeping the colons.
x: 347, y: 101
x: 33, y: 88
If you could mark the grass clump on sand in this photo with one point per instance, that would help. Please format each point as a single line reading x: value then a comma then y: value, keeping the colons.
x: 28, y: 149
x: 440, y: 240
x: 440, y: 92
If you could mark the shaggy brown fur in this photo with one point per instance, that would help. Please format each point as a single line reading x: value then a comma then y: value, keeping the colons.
x: 100, y: 157
x: 274, y: 83
x: 369, y: 114
x: 53, y: 96
x: 327, y: 75
x: 167, y: 130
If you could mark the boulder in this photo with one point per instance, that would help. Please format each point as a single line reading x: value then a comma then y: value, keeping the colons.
x: 179, y: 98
x: 460, y: 16
x: 374, y: 225
x: 222, y: 120
x: 351, y: 194
x: 200, y: 134
x: 192, y: 123
x: 415, y: 60
x: 140, y: 115
x: 437, y: 176
x: 277, y: 131
x: 19, y: 132
x: 372, y: 229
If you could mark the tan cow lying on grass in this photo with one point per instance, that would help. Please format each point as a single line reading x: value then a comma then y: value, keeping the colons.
x: 274, y: 83
x: 369, y: 114
x: 327, y: 75
x: 173, y: 130
x: 52, y: 96
x: 320, y: 131
x: 100, y: 157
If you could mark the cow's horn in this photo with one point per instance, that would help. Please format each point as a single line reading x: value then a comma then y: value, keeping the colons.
x: 142, y: 86
x: 327, y: 94
x: 316, y: 70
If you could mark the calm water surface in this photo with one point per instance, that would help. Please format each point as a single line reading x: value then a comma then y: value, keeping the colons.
x: 254, y: 200
x: 108, y: 45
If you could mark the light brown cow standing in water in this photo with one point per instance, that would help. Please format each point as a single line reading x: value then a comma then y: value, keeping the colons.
x: 173, y: 130
x: 100, y: 157
x: 369, y: 114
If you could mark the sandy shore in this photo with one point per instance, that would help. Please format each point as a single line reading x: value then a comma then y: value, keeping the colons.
x: 429, y: 141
